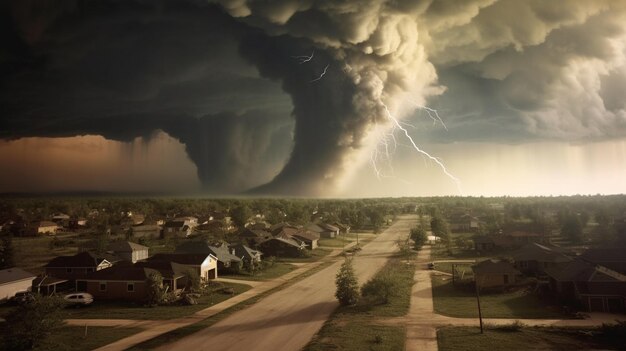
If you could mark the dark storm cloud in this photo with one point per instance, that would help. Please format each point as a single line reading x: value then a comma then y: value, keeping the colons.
x: 223, y: 79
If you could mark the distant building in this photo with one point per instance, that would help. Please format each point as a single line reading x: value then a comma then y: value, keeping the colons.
x: 281, y: 247
x: 44, y: 227
x: 128, y: 251
x: 536, y: 258
x: 495, y: 274
x: 308, y: 237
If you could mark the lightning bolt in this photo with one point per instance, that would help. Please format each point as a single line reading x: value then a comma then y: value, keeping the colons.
x: 304, y: 59
x: 387, y: 155
x: 321, y: 75
x: 432, y: 113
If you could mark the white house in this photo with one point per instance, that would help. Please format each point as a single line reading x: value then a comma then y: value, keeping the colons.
x: 13, y: 280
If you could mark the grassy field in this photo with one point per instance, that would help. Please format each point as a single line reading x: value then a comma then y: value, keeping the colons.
x: 70, y: 338
x: 461, y: 302
x: 275, y: 271
x: 527, y: 338
x: 350, y: 328
x: 32, y: 253
x: 315, y: 255
x: 121, y: 310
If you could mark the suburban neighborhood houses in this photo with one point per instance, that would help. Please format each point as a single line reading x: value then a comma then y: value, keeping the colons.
x: 524, y: 261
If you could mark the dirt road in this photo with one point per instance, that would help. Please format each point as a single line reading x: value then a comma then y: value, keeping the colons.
x: 288, y: 319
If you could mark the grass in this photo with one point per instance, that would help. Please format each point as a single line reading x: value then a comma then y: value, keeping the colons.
x: 314, y: 255
x: 275, y: 271
x: 526, y: 338
x: 350, y: 328
x: 32, y: 253
x: 460, y: 301
x: 334, y: 242
x: 68, y: 338
x: 345, y: 239
x: 126, y: 310
x: 182, y: 332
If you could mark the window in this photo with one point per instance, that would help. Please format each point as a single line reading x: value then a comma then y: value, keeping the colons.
x: 103, y: 286
x: 130, y: 287
x: 68, y: 270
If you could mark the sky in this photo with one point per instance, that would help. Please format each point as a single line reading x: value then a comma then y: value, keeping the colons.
x: 314, y: 98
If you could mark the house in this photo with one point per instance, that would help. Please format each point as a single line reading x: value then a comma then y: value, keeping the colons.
x: 149, y: 231
x: 61, y: 219
x: 277, y: 228
x: 226, y: 260
x: 432, y: 239
x: 43, y: 227
x: 246, y: 254
x: 483, y: 243
x: 204, y: 265
x: 76, y: 266
x: 254, y: 236
x: 536, y: 258
x: 76, y: 223
x: 595, y: 288
x: 127, y: 282
x: 128, y: 251
x: 343, y: 228
x: 521, y: 238
x: 281, y: 247
x: 464, y: 223
x: 323, y: 229
x: 493, y: 273
x: 13, y: 280
x: 613, y: 258
x: 308, y: 237
x: 176, y: 228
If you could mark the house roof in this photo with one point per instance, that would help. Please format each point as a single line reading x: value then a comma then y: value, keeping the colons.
x: 202, y: 247
x: 83, y: 259
x: 493, y: 266
x: 166, y: 268
x: 244, y: 251
x: 581, y: 271
x: 328, y: 227
x: 181, y: 258
x: 14, y: 274
x: 290, y: 242
x: 606, y: 254
x: 279, y: 226
x: 47, y: 280
x: 223, y: 253
x: 123, y: 273
x: 307, y: 235
x: 540, y: 253
x: 46, y: 224
x: 125, y: 246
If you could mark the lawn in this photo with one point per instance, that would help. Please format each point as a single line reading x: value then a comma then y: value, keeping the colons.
x: 69, y: 338
x: 314, y: 255
x: 334, y: 242
x: 126, y: 310
x: 275, y: 271
x: 461, y: 302
x: 32, y: 253
x: 527, y: 338
x: 350, y: 328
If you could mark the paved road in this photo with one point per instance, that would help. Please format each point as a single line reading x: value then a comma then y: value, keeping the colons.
x: 288, y: 319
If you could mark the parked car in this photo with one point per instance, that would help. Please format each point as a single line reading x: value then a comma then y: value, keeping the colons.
x: 79, y: 298
x: 22, y: 297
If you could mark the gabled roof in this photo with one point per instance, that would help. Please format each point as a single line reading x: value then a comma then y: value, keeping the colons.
x: 244, y: 251
x: 492, y: 266
x: 202, y: 247
x: 540, y: 253
x: 122, y: 273
x: 328, y: 226
x: 581, y: 271
x: 307, y: 235
x: 279, y: 226
x: 125, y: 246
x: 181, y: 258
x: 290, y: 242
x: 14, y: 274
x: 46, y: 224
x: 47, y: 280
x: 223, y: 253
x: 166, y: 268
x: 83, y: 259
x: 606, y: 254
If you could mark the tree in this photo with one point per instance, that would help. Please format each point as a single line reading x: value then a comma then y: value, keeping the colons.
x: 347, y: 285
x: 240, y: 215
x: 156, y: 293
x: 419, y: 237
x: 380, y: 288
x: 7, y: 254
x: 572, y: 229
x: 440, y: 228
x: 29, y: 324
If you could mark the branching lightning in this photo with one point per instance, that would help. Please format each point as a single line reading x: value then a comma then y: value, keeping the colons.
x: 432, y: 113
x: 321, y: 75
x: 303, y: 58
x: 385, y: 151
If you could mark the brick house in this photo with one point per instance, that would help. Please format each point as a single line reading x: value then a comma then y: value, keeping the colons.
x: 77, y: 266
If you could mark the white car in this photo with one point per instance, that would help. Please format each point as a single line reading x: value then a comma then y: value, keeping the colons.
x: 79, y: 298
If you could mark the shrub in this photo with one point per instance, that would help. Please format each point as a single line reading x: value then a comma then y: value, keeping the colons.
x: 512, y: 327
x: 30, y: 324
x: 381, y: 288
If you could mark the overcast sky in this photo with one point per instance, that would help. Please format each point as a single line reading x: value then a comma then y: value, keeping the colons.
x: 314, y: 98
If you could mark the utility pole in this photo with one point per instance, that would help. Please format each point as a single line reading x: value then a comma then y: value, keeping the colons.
x: 480, y: 315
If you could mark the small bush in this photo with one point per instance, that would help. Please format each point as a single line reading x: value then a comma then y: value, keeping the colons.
x: 512, y: 327
x: 380, y: 289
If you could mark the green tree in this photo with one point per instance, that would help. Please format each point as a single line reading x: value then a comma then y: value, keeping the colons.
x: 156, y: 292
x: 381, y: 288
x: 30, y: 324
x: 440, y: 228
x: 347, y: 285
x: 240, y: 215
x: 572, y: 229
x: 419, y: 237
